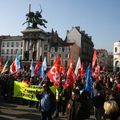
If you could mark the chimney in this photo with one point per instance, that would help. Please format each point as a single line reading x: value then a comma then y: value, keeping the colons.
x: 67, y: 32
x: 78, y: 28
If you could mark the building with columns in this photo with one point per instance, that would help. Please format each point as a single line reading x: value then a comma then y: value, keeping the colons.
x: 116, y: 56
x: 34, y: 43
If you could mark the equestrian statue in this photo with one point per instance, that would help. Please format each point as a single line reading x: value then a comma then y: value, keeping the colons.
x: 34, y: 19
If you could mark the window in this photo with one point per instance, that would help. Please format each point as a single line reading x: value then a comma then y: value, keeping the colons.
x: 7, y: 44
x: 7, y: 51
x: 12, y: 44
x: 3, y: 44
x: 52, y: 62
x: 115, y: 49
x: 3, y: 51
x: 66, y: 55
x: 21, y: 44
x: 66, y: 62
x: 52, y: 49
x: 45, y: 54
x: 16, y: 50
x: 60, y: 49
x: 11, y: 51
x: 45, y: 47
x: 11, y: 57
x: 21, y: 51
x: 66, y: 49
x: 17, y: 44
x: 52, y: 55
x: 6, y: 57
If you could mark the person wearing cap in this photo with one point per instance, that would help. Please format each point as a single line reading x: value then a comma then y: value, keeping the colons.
x: 74, y: 106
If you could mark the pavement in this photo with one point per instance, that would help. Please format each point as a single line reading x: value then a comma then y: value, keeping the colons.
x: 14, y: 111
x: 11, y: 111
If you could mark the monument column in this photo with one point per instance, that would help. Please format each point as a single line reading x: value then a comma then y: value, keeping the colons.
x: 23, y: 49
x: 30, y: 50
x: 27, y: 46
x: 38, y: 49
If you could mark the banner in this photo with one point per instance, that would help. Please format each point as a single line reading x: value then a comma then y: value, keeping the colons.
x: 23, y: 90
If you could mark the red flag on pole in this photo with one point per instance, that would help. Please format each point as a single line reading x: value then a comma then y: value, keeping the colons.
x: 71, y: 77
x: 94, y: 59
x: 82, y: 71
x: 54, y: 73
x: 0, y: 62
x: 63, y: 69
x: 96, y: 73
x: 37, y: 67
x: 12, y: 67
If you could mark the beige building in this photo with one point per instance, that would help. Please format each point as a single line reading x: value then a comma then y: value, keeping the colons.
x: 83, y: 46
x: 9, y: 47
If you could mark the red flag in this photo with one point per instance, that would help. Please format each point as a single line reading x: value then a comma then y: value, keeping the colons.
x: 12, y: 67
x: 94, y: 59
x: 71, y: 67
x: 37, y: 67
x: 71, y: 77
x: 63, y: 69
x: 54, y: 73
x: 96, y: 73
x: 6, y: 67
x: 0, y: 62
x: 82, y: 71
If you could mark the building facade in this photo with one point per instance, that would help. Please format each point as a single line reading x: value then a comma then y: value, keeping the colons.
x: 36, y: 44
x: 116, y: 56
x: 83, y: 47
x: 102, y: 57
x: 9, y: 47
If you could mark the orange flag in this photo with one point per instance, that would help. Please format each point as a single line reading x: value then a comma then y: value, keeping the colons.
x: 54, y: 73
x: 94, y: 59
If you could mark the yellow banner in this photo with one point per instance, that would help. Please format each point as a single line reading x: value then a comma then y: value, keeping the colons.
x: 24, y: 91
x: 27, y: 92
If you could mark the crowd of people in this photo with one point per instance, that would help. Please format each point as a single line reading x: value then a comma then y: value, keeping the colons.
x: 76, y: 103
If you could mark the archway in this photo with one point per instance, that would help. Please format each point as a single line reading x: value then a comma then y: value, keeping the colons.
x: 117, y: 66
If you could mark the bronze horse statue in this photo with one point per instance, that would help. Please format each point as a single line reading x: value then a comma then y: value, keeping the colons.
x: 35, y: 19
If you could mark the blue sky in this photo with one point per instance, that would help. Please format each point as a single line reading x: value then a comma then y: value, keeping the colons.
x: 99, y: 18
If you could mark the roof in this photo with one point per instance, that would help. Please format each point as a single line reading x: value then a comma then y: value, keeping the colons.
x: 13, y: 38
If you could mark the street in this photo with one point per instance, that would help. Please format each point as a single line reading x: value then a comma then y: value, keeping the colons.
x: 10, y: 111
x: 22, y: 112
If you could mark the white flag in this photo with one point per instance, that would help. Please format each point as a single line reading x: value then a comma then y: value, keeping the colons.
x: 44, y: 64
x: 78, y: 66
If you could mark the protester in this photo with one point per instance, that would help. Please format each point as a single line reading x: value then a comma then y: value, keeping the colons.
x: 98, y: 100
x: 112, y: 110
x: 74, y: 106
x: 46, y: 102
